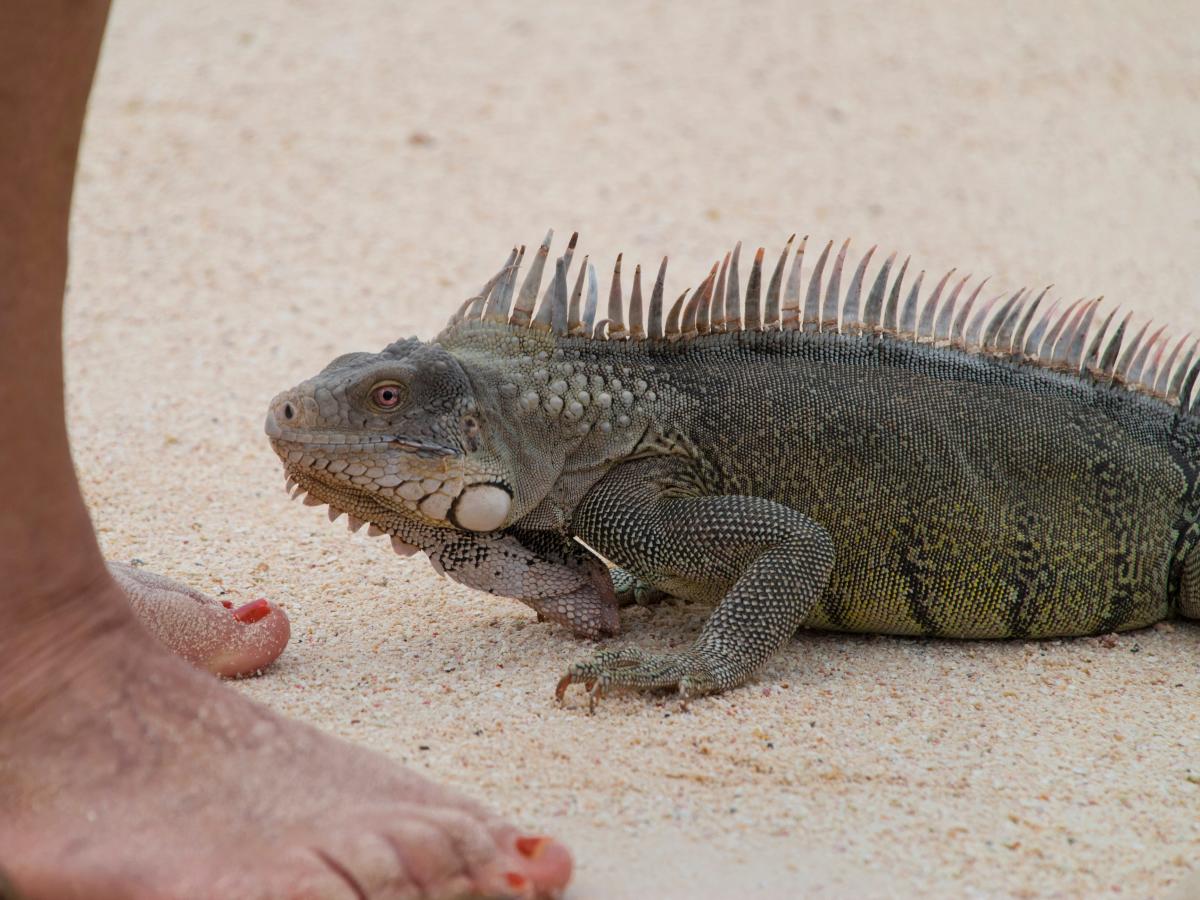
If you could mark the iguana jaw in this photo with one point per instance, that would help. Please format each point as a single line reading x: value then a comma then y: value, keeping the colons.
x: 391, y: 481
x: 579, y: 598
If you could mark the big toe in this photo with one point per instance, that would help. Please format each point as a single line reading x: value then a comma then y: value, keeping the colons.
x: 206, y: 632
x: 247, y: 639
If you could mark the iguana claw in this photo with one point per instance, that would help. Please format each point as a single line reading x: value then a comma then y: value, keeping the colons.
x: 634, y: 669
x: 567, y: 680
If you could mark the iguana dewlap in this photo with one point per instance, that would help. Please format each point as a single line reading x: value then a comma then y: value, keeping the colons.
x: 804, y: 452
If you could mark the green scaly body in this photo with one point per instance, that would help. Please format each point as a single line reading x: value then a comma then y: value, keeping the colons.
x: 802, y: 474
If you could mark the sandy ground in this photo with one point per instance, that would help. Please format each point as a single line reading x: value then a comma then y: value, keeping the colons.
x: 267, y: 185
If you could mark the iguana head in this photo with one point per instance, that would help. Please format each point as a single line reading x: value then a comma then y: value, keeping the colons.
x: 472, y: 432
x: 416, y: 440
x: 393, y: 436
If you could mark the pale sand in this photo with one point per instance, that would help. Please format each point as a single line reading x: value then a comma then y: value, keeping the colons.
x: 265, y: 186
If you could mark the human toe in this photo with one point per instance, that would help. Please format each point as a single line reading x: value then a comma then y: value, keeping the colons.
x: 504, y: 859
x: 247, y: 639
x: 206, y: 632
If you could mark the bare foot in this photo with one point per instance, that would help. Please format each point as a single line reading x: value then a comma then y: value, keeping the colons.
x: 208, y: 633
x: 126, y: 773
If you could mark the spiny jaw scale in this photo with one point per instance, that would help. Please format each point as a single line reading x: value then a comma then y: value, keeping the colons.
x: 353, y: 522
x: 400, y: 547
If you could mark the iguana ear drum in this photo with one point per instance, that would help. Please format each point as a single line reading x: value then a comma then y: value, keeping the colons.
x: 481, y: 507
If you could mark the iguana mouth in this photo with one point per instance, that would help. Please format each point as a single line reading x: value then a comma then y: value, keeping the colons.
x: 336, y: 441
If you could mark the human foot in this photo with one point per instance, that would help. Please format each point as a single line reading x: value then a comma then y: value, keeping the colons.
x: 208, y: 633
x: 126, y: 773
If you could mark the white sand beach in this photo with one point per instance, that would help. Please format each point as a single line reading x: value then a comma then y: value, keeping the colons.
x: 267, y: 185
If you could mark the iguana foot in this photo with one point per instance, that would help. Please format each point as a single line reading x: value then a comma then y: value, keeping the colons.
x: 632, y: 668
x: 632, y: 591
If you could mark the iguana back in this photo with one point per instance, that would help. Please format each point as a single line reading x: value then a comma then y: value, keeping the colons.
x: 966, y: 496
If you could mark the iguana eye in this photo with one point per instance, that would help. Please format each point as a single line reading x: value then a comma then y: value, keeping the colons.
x: 387, y: 395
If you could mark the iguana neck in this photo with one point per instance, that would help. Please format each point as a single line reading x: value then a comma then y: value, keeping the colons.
x: 561, y: 411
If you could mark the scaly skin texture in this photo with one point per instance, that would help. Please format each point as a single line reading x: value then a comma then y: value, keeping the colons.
x: 337, y: 448
x: 835, y: 480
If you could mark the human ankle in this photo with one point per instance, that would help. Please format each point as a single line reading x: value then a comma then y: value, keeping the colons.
x: 67, y: 639
x: 49, y: 561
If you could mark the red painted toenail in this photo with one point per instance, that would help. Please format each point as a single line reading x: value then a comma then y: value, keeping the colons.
x: 252, y: 611
x: 531, y: 847
x: 228, y: 604
x: 515, y: 881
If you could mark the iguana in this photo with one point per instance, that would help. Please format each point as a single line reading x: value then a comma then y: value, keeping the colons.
x: 897, y: 465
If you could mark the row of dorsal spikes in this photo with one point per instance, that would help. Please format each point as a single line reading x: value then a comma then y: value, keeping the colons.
x: 1057, y: 339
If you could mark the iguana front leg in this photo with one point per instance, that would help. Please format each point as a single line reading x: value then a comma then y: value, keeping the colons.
x: 548, y: 572
x: 766, y: 563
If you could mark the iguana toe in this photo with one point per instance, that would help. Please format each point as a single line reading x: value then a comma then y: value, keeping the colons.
x: 632, y: 591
